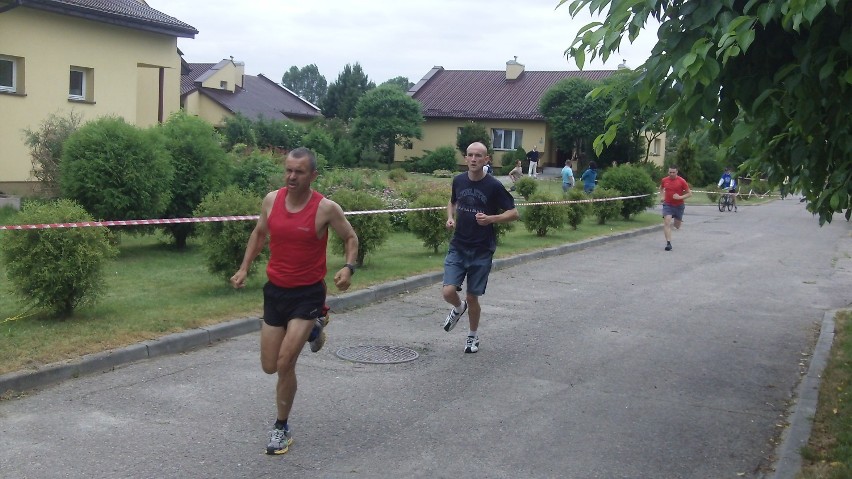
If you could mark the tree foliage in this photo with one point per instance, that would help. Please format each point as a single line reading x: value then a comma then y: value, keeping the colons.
x: 401, y: 82
x: 117, y: 171
x: 45, y: 144
x: 574, y: 118
x: 472, y: 132
x: 343, y: 94
x: 773, y: 76
x: 307, y: 82
x: 386, y: 117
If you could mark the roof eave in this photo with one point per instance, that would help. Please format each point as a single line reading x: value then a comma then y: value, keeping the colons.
x: 122, y: 21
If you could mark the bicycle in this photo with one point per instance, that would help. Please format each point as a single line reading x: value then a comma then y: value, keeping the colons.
x: 726, y: 201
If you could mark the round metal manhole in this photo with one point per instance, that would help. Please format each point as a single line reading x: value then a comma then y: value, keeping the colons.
x: 377, y: 354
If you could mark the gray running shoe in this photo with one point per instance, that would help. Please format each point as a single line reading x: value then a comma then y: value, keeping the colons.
x: 453, y: 317
x: 279, y: 441
x: 319, y: 338
x: 471, y: 345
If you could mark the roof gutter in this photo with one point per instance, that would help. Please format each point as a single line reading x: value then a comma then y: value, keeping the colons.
x: 17, y: 3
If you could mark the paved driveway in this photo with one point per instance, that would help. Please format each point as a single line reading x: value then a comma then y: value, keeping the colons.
x: 617, y: 361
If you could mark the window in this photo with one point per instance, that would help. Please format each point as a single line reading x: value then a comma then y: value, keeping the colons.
x: 80, y: 85
x: 506, y: 139
x: 223, y: 85
x: 655, y: 147
x: 8, y: 74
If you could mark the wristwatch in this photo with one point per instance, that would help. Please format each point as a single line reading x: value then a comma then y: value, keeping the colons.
x: 351, y: 268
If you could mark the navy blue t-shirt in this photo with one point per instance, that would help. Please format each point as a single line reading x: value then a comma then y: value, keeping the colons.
x: 487, y: 196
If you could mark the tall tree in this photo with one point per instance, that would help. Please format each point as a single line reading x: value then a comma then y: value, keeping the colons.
x: 386, y: 117
x: 343, y: 94
x: 575, y: 118
x: 472, y: 132
x: 401, y: 82
x: 773, y: 76
x: 307, y: 82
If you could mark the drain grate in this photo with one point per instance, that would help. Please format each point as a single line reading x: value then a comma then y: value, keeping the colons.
x: 377, y: 354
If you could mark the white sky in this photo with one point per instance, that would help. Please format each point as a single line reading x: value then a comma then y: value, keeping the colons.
x: 388, y: 38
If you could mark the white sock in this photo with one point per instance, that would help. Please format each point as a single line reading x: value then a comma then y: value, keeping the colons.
x: 473, y: 334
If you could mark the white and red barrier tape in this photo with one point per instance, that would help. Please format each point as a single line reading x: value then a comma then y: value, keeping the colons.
x: 214, y: 219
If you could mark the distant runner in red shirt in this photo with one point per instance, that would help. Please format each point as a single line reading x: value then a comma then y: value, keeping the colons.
x: 674, y: 190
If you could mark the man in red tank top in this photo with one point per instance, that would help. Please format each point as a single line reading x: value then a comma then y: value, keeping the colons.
x: 674, y: 189
x: 296, y: 219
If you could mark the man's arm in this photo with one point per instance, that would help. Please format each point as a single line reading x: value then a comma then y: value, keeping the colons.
x: 451, y: 215
x: 256, y: 242
x: 505, y: 217
x: 341, y: 226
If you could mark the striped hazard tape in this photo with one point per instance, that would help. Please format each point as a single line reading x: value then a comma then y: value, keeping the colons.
x: 217, y: 219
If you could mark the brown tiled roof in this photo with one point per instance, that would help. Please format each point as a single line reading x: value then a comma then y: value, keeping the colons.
x: 487, y: 95
x: 259, y: 96
x: 128, y: 13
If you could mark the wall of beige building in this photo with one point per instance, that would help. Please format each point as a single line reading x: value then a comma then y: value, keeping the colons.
x: 443, y: 132
x: 122, y: 66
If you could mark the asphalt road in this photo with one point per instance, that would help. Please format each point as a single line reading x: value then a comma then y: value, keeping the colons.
x: 617, y: 361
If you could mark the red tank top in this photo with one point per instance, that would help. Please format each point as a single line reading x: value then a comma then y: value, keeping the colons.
x: 296, y: 255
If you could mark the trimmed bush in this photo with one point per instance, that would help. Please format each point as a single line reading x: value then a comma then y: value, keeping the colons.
x: 398, y: 175
x: 372, y: 229
x: 430, y: 226
x: 500, y: 230
x: 224, y: 242
x: 541, y: 218
x: 630, y: 180
x: 576, y: 211
x: 257, y: 171
x: 56, y: 269
x: 713, y: 192
x: 526, y: 187
x: 606, y: 210
x: 201, y: 166
x: 442, y: 158
x: 117, y: 171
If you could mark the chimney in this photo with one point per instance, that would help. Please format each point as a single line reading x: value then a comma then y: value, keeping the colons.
x: 513, y: 69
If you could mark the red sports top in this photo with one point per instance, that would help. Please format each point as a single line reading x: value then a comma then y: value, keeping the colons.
x: 296, y: 255
x: 672, y: 186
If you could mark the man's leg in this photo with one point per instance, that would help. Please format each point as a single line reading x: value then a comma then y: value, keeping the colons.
x: 474, y: 310
x: 279, y: 349
x: 667, y: 227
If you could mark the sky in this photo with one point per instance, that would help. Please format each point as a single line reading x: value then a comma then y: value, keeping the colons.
x: 389, y: 38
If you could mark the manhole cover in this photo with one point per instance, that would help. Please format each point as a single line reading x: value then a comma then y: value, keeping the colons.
x: 377, y: 354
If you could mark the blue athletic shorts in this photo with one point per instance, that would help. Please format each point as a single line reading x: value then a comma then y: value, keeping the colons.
x: 475, y: 265
x: 676, y: 211
x: 280, y: 305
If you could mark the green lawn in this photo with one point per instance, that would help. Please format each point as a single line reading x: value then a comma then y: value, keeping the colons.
x: 154, y: 290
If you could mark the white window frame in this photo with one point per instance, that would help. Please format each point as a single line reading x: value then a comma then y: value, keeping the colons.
x: 13, y: 88
x: 515, y: 134
x: 82, y: 95
x: 655, y: 147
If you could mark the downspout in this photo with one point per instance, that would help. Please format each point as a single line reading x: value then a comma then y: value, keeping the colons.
x: 17, y: 3
x: 162, y: 85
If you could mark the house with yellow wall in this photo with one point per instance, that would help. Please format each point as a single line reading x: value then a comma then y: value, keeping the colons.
x: 506, y: 103
x: 216, y: 91
x: 91, y: 57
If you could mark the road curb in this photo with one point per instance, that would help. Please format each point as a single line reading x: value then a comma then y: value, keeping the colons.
x: 804, y: 408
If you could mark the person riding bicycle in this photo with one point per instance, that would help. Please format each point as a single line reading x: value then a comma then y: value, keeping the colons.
x: 729, y: 183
